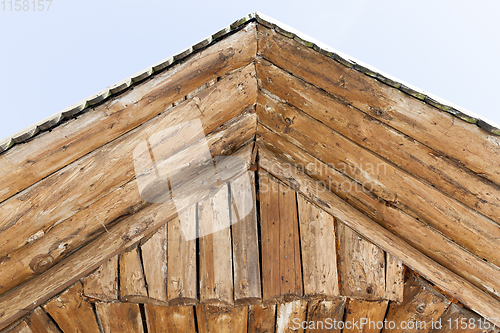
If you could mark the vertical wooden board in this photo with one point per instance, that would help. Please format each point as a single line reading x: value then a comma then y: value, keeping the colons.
x: 154, y: 260
x: 166, y: 319
x: 22, y: 327
x: 460, y: 320
x: 291, y: 316
x: 261, y: 319
x: 181, y: 261
x: 132, y: 284
x: 324, y: 316
x: 365, y: 316
x: 216, y: 271
x: 421, y: 306
x: 39, y: 322
x: 270, y: 227
x: 394, y: 278
x: 119, y: 317
x: 319, y: 252
x: 362, y: 266
x: 213, y: 319
x: 72, y: 312
x: 247, y: 287
x: 103, y: 283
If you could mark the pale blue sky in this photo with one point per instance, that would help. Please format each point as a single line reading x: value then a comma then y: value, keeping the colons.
x: 51, y: 60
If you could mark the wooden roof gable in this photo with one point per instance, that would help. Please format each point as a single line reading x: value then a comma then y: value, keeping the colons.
x: 399, y: 168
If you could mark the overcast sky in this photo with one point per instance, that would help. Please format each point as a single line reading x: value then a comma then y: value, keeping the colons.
x: 52, y: 59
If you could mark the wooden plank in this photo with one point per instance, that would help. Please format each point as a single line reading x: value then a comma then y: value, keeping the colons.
x: 290, y: 316
x: 222, y: 320
x: 57, y: 198
x: 281, y: 270
x: 459, y: 320
x: 362, y: 266
x: 71, y: 311
x: 448, y: 281
x: 436, y: 129
x: 394, y: 278
x: 154, y: 260
x: 33, y: 259
x: 119, y: 317
x: 319, y: 252
x: 261, y: 318
x: 181, y: 262
x: 39, y: 322
x: 246, y: 267
x: 120, y: 237
x: 422, y: 237
x: 166, y: 319
x: 132, y: 283
x: 324, y: 316
x: 103, y: 283
x: 22, y: 327
x: 28, y: 163
x: 465, y: 226
x: 365, y: 316
x: 216, y: 272
x: 408, y: 154
x: 421, y: 306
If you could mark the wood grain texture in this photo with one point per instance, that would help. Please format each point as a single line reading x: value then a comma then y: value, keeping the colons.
x: 319, y: 252
x: 166, y: 319
x: 459, y: 320
x: 216, y: 272
x: 22, y: 327
x: 288, y: 314
x: 394, y: 278
x: 422, y: 237
x: 432, y: 127
x: 246, y: 267
x: 212, y: 319
x: 365, y: 316
x: 421, y: 306
x: 323, y: 316
x: 261, y: 318
x: 362, y: 266
x: 39, y: 322
x: 72, y: 312
x: 408, y: 154
x: 119, y: 317
x: 103, y: 283
x: 281, y: 267
x: 132, y: 283
x: 96, y: 202
x: 456, y: 286
x: 154, y: 261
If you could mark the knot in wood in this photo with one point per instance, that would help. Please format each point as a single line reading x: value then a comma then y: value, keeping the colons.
x: 421, y: 307
x: 41, y: 263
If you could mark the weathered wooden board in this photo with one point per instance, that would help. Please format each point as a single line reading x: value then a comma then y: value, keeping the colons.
x: 365, y: 316
x: 22, y: 327
x: 394, y: 278
x: 422, y: 237
x: 362, y: 266
x: 132, y: 283
x: 119, y: 317
x: 216, y: 271
x: 62, y: 239
x: 432, y: 127
x: 408, y: 154
x: 103, y: 283
x: 39, y: 322
x: 319, y: 252
x: 324, y: 316
x: 213, y: 319
x: 261, y: 318
x: 281, y: 267
x: 421, y: 306
x: 181, y: 262
x: 54, y: 200
x: 26, y: 164
x: 154, y: 261
x: 166, y: 319
x: 290, y: 316
x: 456, y: 286
x: 467, y: 227
x: 72, y: 312
x: 459, y: 320
x: 246, y: 267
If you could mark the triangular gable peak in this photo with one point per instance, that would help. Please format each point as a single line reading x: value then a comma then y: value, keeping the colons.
x: 396, y: 166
